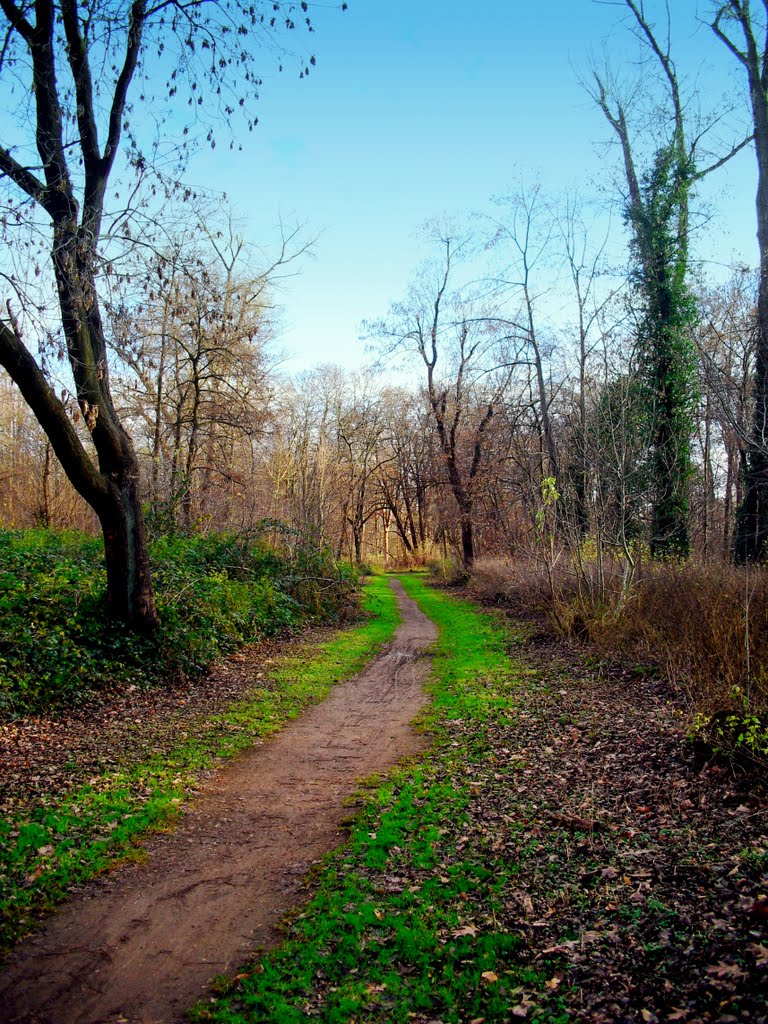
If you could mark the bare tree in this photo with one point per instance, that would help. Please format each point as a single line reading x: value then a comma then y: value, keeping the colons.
x: 751, y: 51
x: 409, y: 475
x: 77, y: 62
x: 583, y: 260
x: 726, y: 339
x: 307, y: 480
x: 361, y: 432
x: 528, y: 230
x: 195, y: 338
x: 457, y: 342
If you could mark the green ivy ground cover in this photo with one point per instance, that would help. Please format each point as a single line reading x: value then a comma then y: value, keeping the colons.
x: 213, y: 594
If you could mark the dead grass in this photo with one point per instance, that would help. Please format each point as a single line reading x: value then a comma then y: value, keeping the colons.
x: 703, y: 625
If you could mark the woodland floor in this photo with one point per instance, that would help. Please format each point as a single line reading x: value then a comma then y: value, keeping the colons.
x: 645, y: 881
x: 44, y: 756
x: 639, y: 887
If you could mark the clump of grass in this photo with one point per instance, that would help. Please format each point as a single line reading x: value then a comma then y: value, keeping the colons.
x: 520, y: 585
x: 68, y: 840
x: 706, y: 628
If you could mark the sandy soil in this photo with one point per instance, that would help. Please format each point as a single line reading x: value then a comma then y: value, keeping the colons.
x: 141, y: 945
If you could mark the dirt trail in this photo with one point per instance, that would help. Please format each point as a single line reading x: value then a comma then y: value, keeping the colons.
x: 141, y: 945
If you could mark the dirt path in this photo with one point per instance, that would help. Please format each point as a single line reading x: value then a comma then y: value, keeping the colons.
x: 141, y: 946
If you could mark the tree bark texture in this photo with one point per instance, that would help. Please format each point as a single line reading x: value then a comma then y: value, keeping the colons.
x: 110, y: 486
x: 750, y: 541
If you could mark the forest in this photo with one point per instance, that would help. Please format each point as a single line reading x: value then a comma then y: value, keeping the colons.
x: 542, y: 495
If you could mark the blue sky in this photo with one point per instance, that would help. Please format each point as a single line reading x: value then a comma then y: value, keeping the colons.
x: 420, y: 107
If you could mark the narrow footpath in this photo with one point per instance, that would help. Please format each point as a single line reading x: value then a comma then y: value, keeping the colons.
x: 141, y: 945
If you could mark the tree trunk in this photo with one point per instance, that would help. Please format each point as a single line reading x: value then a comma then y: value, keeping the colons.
x: 467, y: 541
x: 45, y: 508
x: 731, y: 473
x: 129, y: 583
x: 111, y: 489
x: 750, y: 542
x: 670, y: 535
x: 357, y: 536
x: 385, y: 528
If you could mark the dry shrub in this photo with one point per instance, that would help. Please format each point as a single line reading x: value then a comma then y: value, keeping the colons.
x: 441, y: 568
x: 520, y: 585
x: 704, y: 625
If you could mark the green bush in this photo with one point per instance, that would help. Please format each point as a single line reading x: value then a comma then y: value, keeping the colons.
x: 213, y: 593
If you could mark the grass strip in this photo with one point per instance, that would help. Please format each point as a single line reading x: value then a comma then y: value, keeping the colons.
x: 403, y: 925
x: 63, y: 843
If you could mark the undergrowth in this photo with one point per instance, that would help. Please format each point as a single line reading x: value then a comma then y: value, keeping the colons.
x: 66, y: 841
x: 703, y: 625
x: 213, y: 593
x: 403, y: 925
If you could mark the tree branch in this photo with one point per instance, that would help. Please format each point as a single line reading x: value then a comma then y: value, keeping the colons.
x: 24, y: 178
x: 133, y: 47
x: 724, y: 160
x: 17, y: 19
x: 50, y: 412
x: 724, y: 38
x: 77, y: 54
x: 664, y: 59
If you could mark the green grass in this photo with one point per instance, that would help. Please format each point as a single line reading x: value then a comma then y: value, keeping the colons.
x: 403, y: 924
x: 69, y: 840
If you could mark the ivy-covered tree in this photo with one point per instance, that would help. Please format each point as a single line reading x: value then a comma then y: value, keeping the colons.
x: 665, y: 336
x: 657, y: 213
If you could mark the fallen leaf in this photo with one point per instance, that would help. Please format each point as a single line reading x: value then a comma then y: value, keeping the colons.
x: 565, y: 947
x: 468, y: 929
x: 723, y: 970
x: 490, y: 977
